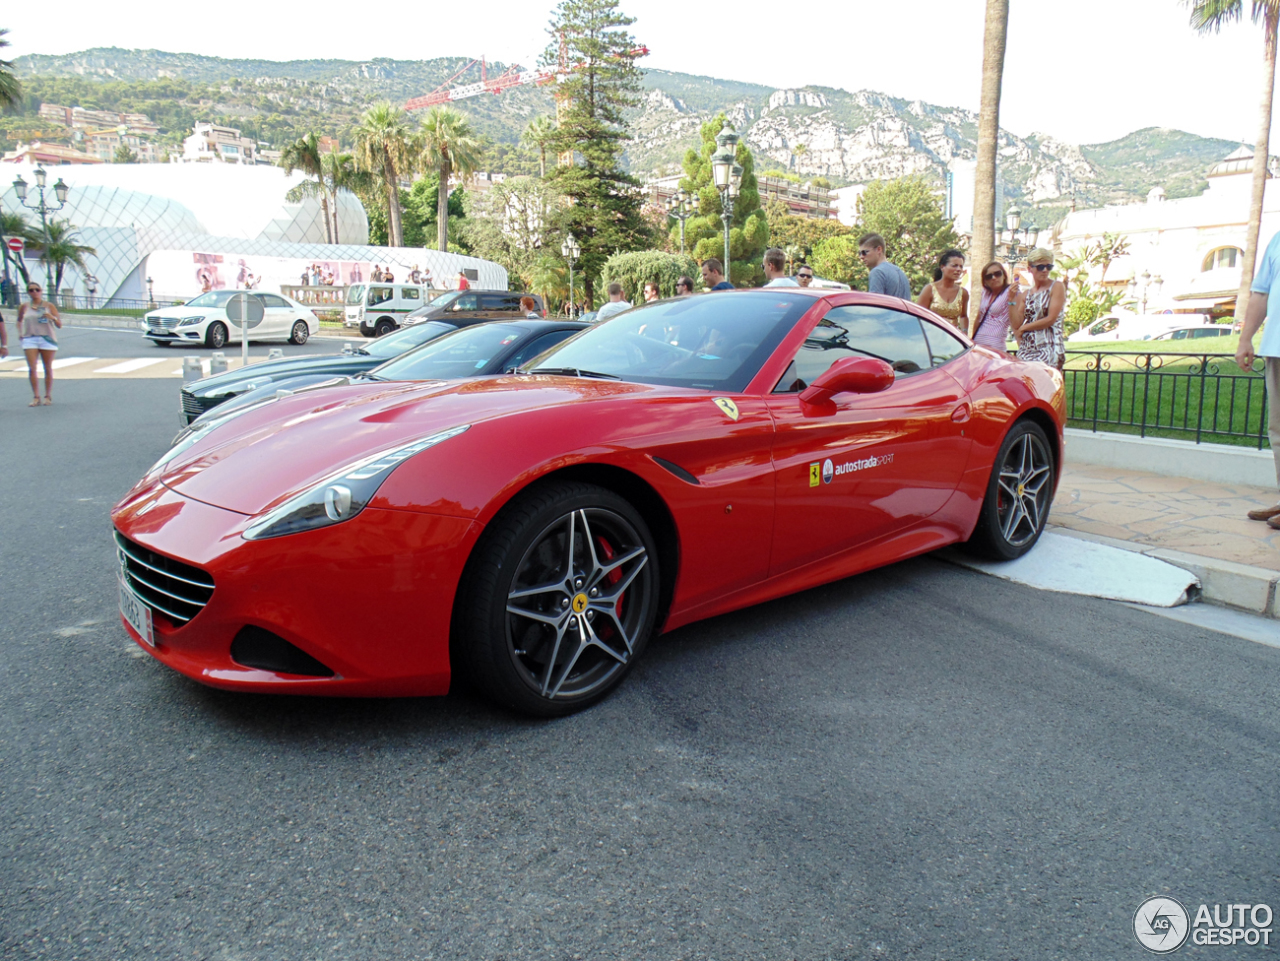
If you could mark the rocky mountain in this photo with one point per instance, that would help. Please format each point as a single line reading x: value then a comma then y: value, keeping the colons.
x: 847, y: 137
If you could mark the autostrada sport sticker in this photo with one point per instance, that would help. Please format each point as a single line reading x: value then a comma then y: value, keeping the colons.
x: 827, y: 470
x: 729, y: 407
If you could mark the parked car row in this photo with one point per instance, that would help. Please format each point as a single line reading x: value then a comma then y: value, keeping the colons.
x: 378, y: 309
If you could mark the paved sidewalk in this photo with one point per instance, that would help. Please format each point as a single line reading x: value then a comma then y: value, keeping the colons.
x: 1170, y: 513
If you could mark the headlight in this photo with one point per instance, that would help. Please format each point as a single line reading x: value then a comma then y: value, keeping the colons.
x: 189, y: 321
x: 343, y: 494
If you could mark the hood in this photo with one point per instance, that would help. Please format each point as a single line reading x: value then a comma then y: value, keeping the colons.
x: 330, y: 365
x: 287, y: 445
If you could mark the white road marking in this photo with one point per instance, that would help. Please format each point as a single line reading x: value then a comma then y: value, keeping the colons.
x: 68, y: 361
x: 130, y: 365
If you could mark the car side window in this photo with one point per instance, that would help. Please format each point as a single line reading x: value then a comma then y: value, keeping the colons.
x: 410, y: 293
x: 858, y: 331
x: 537, y: 346
x: 271, y: 300
x: 943, y: 345
x: 379, y: 295
x: 465, y: 302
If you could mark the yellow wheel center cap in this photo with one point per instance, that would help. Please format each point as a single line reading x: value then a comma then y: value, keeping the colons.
x: 1021, y: 489
x: 579, y: 603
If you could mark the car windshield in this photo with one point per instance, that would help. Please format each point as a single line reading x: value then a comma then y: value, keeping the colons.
x: 395, y: 344
x: 214, y: 298
x: 461, y: 354
x: 355, y: 294
x: 709, y: 342
x: 445, y: 299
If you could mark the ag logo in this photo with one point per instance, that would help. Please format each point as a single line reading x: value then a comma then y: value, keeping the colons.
x: 1161, y: 925
x: 729, y: 407
x: 828, y: 471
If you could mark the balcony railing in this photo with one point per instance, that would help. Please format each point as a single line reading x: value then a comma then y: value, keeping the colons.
x: 1200, y: 397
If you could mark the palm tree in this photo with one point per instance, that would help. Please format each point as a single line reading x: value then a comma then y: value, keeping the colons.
x: 1209, y: 16
x: 304, y: 154
x: 448, y: 147
x: 10, y: 88
x: 983, y: 245
x: 16, y: 225
x: 382, y: 149
x: 341, y: 173
x: 62, y: 249
x: 540, y: 134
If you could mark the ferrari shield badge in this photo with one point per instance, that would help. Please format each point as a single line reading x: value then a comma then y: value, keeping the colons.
x: 729, y: 407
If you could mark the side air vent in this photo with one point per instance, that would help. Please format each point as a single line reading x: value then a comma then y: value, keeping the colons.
x: 676, y: 469
x: 258, y: 648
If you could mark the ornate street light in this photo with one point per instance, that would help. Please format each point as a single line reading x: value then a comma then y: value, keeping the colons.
x: 682, y: 206
x: 44, y: 208
x: 571, y: 252
x: 727, y: 174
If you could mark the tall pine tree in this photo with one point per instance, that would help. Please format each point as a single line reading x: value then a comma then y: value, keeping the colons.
x: 602, y: 201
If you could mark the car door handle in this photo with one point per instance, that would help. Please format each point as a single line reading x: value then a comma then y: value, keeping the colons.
x: 960, y: 414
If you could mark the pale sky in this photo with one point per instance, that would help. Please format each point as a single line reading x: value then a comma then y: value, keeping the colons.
x: 1083, y: 71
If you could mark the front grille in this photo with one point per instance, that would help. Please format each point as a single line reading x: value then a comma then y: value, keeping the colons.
x: 192, y: 405
x: 171, y: 588
x: 165, y: 323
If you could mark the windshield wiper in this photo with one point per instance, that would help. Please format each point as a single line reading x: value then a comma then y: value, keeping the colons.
x: 365, y: 351
x: 574, y: 372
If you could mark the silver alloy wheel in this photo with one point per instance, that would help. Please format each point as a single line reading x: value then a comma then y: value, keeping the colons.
x: 577, y: 602
x: 300, y: 333
x: 1025, y: 484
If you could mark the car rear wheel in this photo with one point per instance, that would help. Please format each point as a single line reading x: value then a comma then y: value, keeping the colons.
x: 558, y: 601
x: 1019, y: 494
x: 300, y: 333
x: 216, y: 335
x: 385, y: 326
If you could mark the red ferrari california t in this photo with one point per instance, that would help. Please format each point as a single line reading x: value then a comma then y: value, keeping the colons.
x: 532, y: 532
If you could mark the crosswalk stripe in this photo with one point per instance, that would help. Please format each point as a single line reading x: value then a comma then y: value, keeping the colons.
x: 130, y: 365
x: 68, y: 361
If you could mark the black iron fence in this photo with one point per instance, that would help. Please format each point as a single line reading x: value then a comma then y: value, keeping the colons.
x: 1200, y: 397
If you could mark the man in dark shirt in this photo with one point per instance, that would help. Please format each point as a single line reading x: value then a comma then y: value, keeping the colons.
x: 886, y: 278
x: 713, y: 275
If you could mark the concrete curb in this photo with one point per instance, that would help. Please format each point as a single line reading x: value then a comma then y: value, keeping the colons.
x: 1222, y: 583
x: 1217, y: 463
x: 101, y: 320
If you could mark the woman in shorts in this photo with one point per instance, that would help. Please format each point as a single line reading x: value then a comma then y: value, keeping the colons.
x: 38, y: 323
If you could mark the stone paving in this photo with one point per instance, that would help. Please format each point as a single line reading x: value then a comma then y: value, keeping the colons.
x: 1168, y: 512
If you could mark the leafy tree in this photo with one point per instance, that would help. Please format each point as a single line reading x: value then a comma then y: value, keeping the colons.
x: 1209, y: 16
x: 749, y: 232
x: 338, y: 171
x: 123, y: 155
x: 787, y: 230
x: 10, y: 88
x: 421, y: 205
x: 382, y: 149
x: 62, y: 249
x: 304, y: 154
x: 1112, y: 247
x: 549, y: 277
x: 513, y: 223
x: 640, y: 267
x: 16, y: 225
x: 836, y: 258
x: 910, y: 215
x: 540, y: 134
x: 602, y: 200
x: 448, y: 147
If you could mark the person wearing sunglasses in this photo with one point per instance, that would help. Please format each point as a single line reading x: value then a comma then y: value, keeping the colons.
x: 804, y: 275
x: 1000, y: 306
x: 1040, y: 333
x: 38, y: 322
x: 885, y: 278
x: 684, y: 286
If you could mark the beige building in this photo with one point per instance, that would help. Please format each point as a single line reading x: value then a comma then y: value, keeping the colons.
x: 209, y: 142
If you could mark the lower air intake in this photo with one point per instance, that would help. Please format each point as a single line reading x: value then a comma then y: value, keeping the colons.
x: 258, y: 648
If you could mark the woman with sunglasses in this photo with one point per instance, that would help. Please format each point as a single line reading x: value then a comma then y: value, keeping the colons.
x: 1040, y: 333
x: 999, y: 308
x: 945, y: 297
x: 37, y: 325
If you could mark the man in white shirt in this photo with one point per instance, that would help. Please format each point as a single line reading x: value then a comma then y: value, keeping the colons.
x: 616, y: 304
x: 775, y: 269
x: 1264, y: 304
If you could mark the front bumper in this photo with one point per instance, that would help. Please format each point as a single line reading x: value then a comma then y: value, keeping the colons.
x: 371, y: 598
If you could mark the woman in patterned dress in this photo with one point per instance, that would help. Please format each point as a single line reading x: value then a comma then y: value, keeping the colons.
x: 945, y: 297
x: 1040, y: 333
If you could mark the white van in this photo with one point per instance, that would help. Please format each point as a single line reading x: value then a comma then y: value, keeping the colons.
x: 378, y: 308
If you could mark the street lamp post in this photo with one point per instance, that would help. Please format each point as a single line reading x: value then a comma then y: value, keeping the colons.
x: 682, y: 207
x: 1018, y: 241
x: 1148, y: 280
x: 571, y: 251
x: 151, y: 297
x: 727, y: 174
x: 60, y: 191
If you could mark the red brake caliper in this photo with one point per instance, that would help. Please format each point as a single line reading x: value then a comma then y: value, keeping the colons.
x: 614, y: 575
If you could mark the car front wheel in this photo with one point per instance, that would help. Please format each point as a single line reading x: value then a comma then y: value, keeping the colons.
x: 1019, y: 494
x: 216, y: 335
x: 384, y: 327
x: 300, y: 333
x: 558, y: 601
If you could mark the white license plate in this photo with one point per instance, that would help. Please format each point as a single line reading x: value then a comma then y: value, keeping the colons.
x: 136, y: 613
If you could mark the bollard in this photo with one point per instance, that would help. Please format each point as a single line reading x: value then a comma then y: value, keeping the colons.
x: 275, y: 353
x: 218, y: 363
x: 348, y: 347
x: 191, y: 369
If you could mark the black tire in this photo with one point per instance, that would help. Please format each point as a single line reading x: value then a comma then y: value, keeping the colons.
x: 536, y: 663
x: 216, y: 335
x: 366, y: 331
x: 300, y: 333
x: 385, y: 326
x: 1019, y: 494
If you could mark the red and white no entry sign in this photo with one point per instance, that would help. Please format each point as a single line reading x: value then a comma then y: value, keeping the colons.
x: 15, y: 244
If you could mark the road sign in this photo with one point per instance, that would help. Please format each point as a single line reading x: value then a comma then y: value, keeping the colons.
x: 15, y: 244
x: 245, y: 310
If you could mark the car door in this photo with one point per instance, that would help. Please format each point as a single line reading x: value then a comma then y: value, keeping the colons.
x: 278, y: 316
x: 874, y: 464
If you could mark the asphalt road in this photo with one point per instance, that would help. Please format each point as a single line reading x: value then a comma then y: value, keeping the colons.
x: 105, y: 342
x: 921, y: 762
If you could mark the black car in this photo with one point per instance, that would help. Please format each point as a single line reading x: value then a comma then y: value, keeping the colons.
x: 478, y: 350
x: 207, y: 393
